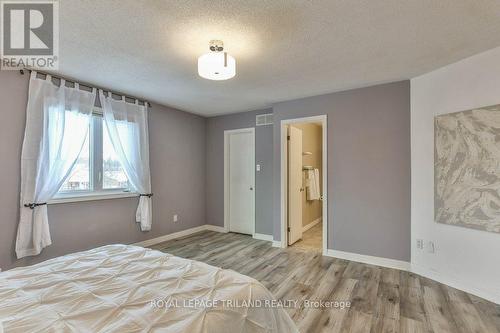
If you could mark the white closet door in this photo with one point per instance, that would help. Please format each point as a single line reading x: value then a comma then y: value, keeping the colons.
x: 294, y: 185
x: 242, y: 182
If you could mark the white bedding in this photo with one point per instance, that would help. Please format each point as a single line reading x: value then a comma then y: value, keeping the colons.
x: 123, y: 288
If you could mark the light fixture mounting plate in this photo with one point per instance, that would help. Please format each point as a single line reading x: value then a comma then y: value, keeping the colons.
x: 216, y: 45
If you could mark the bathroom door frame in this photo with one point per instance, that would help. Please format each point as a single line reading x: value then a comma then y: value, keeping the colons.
x: 284, y: 176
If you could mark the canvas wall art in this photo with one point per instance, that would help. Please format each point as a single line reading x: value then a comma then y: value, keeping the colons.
x: 467, y: 168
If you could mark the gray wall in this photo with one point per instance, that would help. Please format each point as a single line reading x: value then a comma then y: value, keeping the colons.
x: 215, y: 168
x: 178, y: 164
x: 368, y: 167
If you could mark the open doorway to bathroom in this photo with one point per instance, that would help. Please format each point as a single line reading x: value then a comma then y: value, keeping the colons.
x: 304, y: 183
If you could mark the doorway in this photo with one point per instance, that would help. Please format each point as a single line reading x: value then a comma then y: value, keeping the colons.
x: 304, y: 183
x: 239, y: 181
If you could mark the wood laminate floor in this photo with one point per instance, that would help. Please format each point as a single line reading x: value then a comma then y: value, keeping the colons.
x: 382, y: 299
x: 312, y: 239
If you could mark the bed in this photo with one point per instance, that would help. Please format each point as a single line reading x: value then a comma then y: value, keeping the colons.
x: 124, y: 288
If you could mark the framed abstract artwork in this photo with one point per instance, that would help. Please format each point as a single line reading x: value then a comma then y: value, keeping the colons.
x: 467, y: 168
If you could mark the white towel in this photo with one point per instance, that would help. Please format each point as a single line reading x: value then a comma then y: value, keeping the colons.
x: 313, y: 188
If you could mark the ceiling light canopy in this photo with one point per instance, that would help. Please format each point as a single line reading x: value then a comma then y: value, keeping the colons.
x: 217, y: 64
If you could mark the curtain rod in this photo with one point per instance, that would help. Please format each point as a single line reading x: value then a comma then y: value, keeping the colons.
x: 88, y: 85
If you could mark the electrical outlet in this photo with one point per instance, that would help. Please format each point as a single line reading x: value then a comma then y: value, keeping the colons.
x: 430, y: 247
x: 176, y: 218
x: 420, y: 244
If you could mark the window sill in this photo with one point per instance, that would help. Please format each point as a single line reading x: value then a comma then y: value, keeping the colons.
x: 91, y: 197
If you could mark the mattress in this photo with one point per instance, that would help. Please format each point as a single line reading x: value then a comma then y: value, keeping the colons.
x: 124, y: 288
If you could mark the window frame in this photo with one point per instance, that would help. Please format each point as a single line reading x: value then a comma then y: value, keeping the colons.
x: 96, y: 191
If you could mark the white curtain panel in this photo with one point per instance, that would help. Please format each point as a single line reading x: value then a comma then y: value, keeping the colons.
x: 57, y: 124
x: 127, y: 125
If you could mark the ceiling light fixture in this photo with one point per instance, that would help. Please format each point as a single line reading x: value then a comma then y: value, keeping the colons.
x: 217, y: 64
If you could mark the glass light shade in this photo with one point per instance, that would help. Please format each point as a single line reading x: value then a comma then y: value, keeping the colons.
x: 216, y: 66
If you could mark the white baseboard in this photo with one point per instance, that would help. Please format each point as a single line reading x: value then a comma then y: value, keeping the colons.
x: 456, y: 282
x: 215, y: 228
x: 371, y: 260
x: 276, y: 243
x: 310, y: 225
x: 179, y: 234
x: 263, y: 237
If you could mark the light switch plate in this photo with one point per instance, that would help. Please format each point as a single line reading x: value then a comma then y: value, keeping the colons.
x: 431, y: 247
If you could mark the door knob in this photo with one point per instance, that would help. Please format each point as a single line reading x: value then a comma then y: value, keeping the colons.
x: 251, y: 188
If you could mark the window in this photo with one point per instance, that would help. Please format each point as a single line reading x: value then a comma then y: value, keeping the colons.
x: 98, y: 170
x: 113, y: 175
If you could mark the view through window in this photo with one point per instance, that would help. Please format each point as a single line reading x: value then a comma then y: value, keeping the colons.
x: 98, y: 168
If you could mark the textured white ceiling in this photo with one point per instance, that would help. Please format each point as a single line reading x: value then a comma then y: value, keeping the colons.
x: 284, y: 49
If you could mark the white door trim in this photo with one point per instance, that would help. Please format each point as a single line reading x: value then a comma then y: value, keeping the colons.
x: 227, y: 133
x: 296, y: 179
x: 284, y: 189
